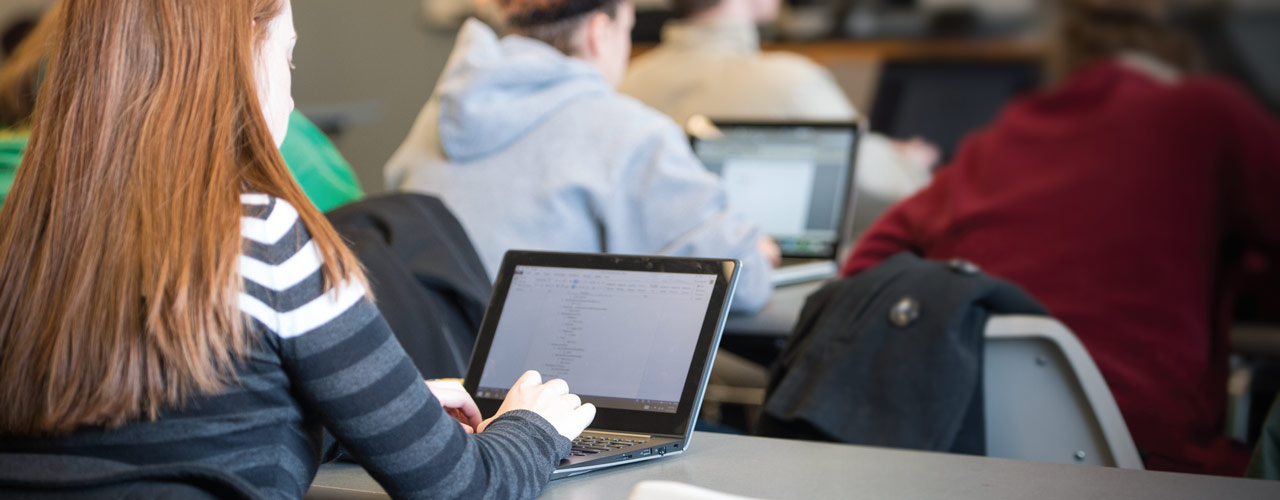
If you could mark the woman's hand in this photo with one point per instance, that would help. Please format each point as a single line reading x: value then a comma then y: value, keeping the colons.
x: 456, y: 402
x: 551, y: 401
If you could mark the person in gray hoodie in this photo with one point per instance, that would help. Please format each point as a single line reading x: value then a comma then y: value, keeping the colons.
x: 526, y: 140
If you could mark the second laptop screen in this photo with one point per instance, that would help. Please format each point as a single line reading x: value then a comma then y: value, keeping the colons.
x: 792, y: 180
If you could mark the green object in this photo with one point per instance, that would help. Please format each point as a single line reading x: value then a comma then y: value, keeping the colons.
x: 12, y: 143
x: 325, y: 176
x: 1266, y: 458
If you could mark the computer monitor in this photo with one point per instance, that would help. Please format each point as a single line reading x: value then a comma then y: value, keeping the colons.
x: 943, y: 101
x: 794, y: 179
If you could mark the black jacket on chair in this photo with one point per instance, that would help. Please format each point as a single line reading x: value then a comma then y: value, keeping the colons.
x: 426, y: 277
x: 892, y: 357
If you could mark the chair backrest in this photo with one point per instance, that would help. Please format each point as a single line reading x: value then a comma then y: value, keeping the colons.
x: 430, y: 283
x: 1045, y: 399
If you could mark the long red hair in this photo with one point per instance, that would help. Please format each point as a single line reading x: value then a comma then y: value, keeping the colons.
x: 120, y: 241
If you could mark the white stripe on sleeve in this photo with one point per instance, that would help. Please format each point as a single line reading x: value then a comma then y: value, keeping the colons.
x: 255, y: 199
x: 307, y: 317
x: 273, y: 228
x: 288, y: 273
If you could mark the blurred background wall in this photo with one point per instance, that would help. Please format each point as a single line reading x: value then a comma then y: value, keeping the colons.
x: 365, y: 68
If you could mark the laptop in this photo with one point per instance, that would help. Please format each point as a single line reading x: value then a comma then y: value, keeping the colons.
x: 795, y: 179
x: 634, y: 335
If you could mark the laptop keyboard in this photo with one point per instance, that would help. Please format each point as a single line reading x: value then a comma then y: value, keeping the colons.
x: 592, y: 444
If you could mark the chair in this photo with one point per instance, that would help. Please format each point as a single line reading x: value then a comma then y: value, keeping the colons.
x: 1046, y: 399
x: 430, y: 283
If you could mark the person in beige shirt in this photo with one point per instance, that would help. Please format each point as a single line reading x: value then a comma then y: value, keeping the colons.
x: 710, y: 63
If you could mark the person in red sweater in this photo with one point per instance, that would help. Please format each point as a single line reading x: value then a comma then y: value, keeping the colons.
x: 1124, y: 199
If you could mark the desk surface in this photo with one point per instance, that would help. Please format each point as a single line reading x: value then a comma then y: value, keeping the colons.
x: 779, y: 469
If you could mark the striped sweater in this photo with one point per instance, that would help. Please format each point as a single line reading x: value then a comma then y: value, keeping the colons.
x: 326, y: 360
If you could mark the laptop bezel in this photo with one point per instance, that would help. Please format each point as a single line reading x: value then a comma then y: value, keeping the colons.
x: 634, y: 421
x: 851, y: 170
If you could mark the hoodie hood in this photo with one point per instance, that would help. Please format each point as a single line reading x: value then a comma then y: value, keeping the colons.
x: 494, y: 91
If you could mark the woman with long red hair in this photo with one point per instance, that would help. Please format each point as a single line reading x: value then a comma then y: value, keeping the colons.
x: 168, y: 295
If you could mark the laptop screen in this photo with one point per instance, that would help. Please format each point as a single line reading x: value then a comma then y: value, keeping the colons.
x: 791, y: 179
x: 621, y: 339
x: 635, y: 335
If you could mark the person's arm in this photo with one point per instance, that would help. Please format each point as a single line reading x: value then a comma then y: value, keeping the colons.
x: 674, y: 206
x: 367, y: 392
x: 349, y: 371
